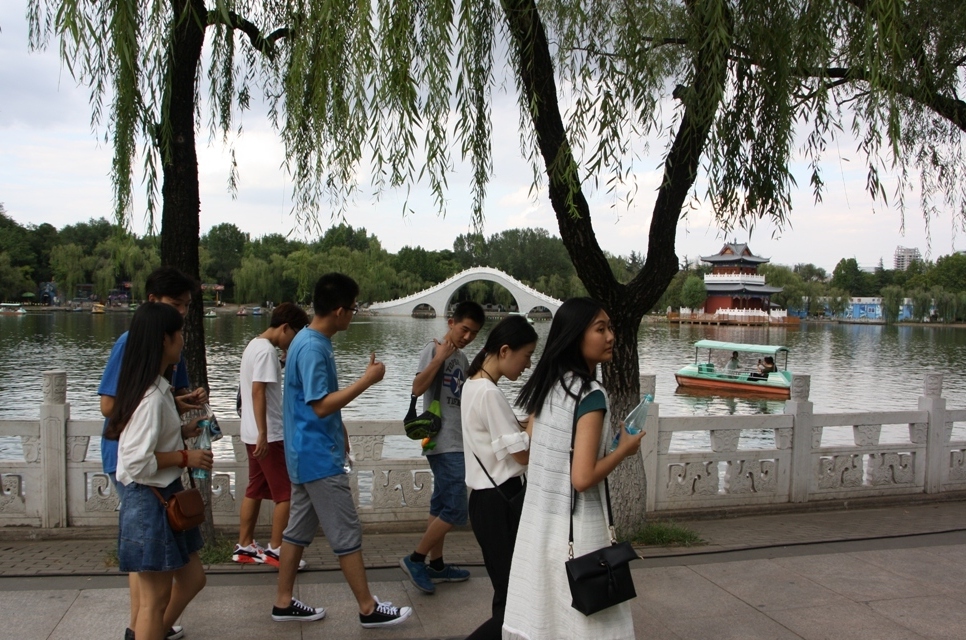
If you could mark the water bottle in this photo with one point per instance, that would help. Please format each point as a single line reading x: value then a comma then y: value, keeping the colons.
x: 203, y: 441
x: 634, y: 422
x: 347, y: 462
x: 214, y: 430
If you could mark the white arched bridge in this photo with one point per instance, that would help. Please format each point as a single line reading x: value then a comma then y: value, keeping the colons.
x: 438, y: 296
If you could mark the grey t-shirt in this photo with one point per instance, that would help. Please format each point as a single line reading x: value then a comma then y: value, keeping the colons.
x: 450, y: 437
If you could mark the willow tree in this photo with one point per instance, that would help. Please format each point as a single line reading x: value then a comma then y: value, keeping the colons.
x: 719, y: 88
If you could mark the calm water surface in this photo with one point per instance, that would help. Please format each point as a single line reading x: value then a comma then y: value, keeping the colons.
x: 852, y: 367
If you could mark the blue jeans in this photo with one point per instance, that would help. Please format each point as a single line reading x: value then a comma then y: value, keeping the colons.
x: 449, y: 488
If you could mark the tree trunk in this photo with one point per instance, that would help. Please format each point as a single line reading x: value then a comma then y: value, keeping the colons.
x: 626, y: 304
x: 181, y: 200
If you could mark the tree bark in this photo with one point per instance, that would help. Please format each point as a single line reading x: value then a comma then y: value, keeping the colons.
x: 181, y: 200
x: 626, y: 304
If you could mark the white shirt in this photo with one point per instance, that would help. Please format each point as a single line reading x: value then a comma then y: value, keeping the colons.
x: 259, y: 363
x: 154, y: 426
x: 492, y: 432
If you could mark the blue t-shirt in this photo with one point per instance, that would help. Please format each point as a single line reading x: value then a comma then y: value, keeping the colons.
x: 314, y: 446
x: 108, y: 387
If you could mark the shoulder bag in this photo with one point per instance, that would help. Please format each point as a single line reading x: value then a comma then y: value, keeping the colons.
x: 602, y: 578
x: 185, y: 509
x: 428, y: 423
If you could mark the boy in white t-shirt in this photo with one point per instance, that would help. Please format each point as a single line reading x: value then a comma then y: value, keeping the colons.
x: 260, y: 391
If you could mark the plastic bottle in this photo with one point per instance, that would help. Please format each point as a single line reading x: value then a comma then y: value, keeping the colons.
x: 347, y: 461
x: 203, y: 441
x: 214, y: 430
x: 635, y: 420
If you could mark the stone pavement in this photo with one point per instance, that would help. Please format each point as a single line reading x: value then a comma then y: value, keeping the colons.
x: 896, y: 572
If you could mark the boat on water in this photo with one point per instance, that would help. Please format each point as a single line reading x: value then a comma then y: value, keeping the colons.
x: 747, y: 381
x: 210, y: 313
x: 12, y: 309
x: 242, y: 311
x: 256, y: 311
x: 97, y: 308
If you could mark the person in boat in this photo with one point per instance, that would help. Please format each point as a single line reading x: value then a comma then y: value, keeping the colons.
x: 768, y: 366
x: 731, y: 369
x: 764, y: 368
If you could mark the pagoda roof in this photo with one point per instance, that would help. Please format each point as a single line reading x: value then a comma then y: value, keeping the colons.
x: 735, y: 253
x: 741, y: 287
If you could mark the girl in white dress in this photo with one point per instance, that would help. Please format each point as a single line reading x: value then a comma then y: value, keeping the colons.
x: 496, y: 450
x: 563, y: 385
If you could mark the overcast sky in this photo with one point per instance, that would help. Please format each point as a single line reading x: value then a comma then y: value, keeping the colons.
x: 54, y: 169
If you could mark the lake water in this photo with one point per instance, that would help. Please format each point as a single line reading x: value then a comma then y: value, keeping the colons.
x: 852, y: 367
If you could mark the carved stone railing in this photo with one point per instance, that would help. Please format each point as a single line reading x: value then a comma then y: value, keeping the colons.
x: 58, y: 481
x: 792, y: 464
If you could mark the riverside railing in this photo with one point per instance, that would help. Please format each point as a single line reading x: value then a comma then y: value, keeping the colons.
x: 726, y: 461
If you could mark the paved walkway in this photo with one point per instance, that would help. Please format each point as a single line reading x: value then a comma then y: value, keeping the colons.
x: 886, y: 573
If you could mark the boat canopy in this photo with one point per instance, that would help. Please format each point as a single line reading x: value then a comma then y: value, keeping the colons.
x: 767, y: 349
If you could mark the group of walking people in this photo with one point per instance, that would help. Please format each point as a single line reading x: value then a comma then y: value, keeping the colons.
x: 518, y: 476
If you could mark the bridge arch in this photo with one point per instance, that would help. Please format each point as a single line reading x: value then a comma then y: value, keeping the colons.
x: 438, y: 296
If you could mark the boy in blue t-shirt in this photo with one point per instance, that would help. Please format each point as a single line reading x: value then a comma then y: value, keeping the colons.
x: 316, y: 448
x: 170, y: 286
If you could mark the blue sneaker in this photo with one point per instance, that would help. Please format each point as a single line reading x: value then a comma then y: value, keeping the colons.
x: 450, y: 573
x: 417, y: 572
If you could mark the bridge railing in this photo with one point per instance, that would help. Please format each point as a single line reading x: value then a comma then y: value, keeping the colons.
x: 710, y: 462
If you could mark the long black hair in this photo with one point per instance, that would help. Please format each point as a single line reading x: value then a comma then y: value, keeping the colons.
x: 143, y: 355
x: 562, y: 353
x: 512, y: 331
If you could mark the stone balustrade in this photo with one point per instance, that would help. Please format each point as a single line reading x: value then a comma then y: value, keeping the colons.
x: 794, y: 459
x: 57, y: 483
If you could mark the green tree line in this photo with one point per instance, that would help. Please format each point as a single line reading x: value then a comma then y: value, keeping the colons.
x: 273, y: 267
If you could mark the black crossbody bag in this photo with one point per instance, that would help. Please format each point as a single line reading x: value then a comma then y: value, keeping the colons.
x: 602, y: 578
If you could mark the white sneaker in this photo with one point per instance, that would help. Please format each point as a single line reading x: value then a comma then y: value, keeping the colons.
x: 271, y: 557
x: 252, y: 554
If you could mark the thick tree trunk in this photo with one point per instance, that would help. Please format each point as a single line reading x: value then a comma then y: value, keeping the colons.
x: 626, y: 304
x: 181, y: 200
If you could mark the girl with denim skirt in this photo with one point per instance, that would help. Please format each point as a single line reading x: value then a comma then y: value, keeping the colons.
x: 566, y: 401
x: 496, y: 450
x: 146, y: 423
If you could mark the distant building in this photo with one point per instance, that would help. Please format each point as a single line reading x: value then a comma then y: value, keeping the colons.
x: 905, y: 256
x: 734, y: 282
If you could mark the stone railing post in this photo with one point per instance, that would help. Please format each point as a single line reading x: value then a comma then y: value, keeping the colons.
x: 801, y: 409
x: 933, y: 402
x: 649, y: 450
x: 54, y: 414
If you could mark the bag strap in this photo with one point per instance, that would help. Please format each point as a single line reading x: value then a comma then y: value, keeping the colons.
x: 191, y: 479
x: 438, y: 382
x: 573, y: 492
x: 492, y: 481
x: 437, y: 385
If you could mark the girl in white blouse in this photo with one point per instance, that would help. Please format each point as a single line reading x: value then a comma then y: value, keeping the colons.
x: 496, y: 450
x: 145, y: 420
